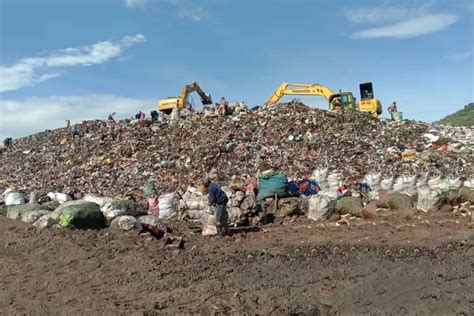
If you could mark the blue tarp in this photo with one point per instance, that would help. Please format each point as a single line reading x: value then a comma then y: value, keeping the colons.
x: 271, y: 184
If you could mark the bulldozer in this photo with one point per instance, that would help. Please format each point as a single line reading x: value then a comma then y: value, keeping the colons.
x: 167, y: 105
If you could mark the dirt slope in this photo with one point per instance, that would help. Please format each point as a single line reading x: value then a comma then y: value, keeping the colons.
x: 299, y: 268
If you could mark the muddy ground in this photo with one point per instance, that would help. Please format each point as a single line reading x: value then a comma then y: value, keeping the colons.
x: 423, y: 266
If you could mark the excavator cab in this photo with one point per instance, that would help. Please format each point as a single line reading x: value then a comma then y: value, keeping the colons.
x: 368, y: 103
x: 346, y: 98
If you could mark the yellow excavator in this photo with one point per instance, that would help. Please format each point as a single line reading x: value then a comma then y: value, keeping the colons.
x: 367, y: 104
x: 346, y: 98
x: 367, y: 101
x: 167, y: 105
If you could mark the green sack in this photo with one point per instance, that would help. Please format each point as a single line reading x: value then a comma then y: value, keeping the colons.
x: 272, y: 183
x: 80, y: 214
x: 288, y: 209
x: 65, y: 220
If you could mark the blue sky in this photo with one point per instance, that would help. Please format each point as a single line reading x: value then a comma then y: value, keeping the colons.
x: 77, y: 60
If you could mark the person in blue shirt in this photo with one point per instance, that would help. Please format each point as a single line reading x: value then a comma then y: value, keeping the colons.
x: 219, y: 199
x: 364, y: 189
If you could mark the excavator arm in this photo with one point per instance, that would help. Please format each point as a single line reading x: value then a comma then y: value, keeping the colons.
x: 194, y: 87
x: 299, y: 89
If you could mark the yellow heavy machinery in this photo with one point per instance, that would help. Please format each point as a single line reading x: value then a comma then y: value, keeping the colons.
x: 346, y: 98
x: 367, y: 101
x: 167, y: 105
x: 367, y: 104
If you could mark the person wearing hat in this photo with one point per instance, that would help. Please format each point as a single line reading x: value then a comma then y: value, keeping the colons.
x: 338, y: 105
x: 219, y: 199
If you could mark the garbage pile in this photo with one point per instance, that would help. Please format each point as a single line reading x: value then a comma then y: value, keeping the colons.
x: 278, y: 161
x: 91, y: 212
x: 116, y: 159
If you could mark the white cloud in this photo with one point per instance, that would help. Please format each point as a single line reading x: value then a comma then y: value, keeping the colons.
x: 136, y: 3
x: 378, y: 14
x: 194, y: 14
x: 32, y: 115
x: 28, y: 71
x: 413, y: 27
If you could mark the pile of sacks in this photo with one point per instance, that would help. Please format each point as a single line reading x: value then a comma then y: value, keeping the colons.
x: 91, y: 212
x: 195, y: 206
x: 115, y: 159
x: 404, y: 193
x: 250, y: 202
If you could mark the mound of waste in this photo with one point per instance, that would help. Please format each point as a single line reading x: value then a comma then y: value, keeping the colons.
x: 117, y: 159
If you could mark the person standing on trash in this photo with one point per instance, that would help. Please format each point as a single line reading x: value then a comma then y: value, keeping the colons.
x: 140, y: 115
x: 74, y: 131
x: 110, y: 118
x: 154, y: 116
x: 223, y: 107
x: 219, y: 199
x: 7, y: 142
x: 392, y: 108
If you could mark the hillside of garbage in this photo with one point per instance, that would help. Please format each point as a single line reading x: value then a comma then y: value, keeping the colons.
x: 117, y: 159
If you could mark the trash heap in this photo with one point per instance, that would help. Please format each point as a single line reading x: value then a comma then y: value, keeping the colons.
x: 278, y: 161
x: 116, y: 159
x: 91, y: 212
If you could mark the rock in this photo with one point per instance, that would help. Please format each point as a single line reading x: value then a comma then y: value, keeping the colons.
x: 349, y: 205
